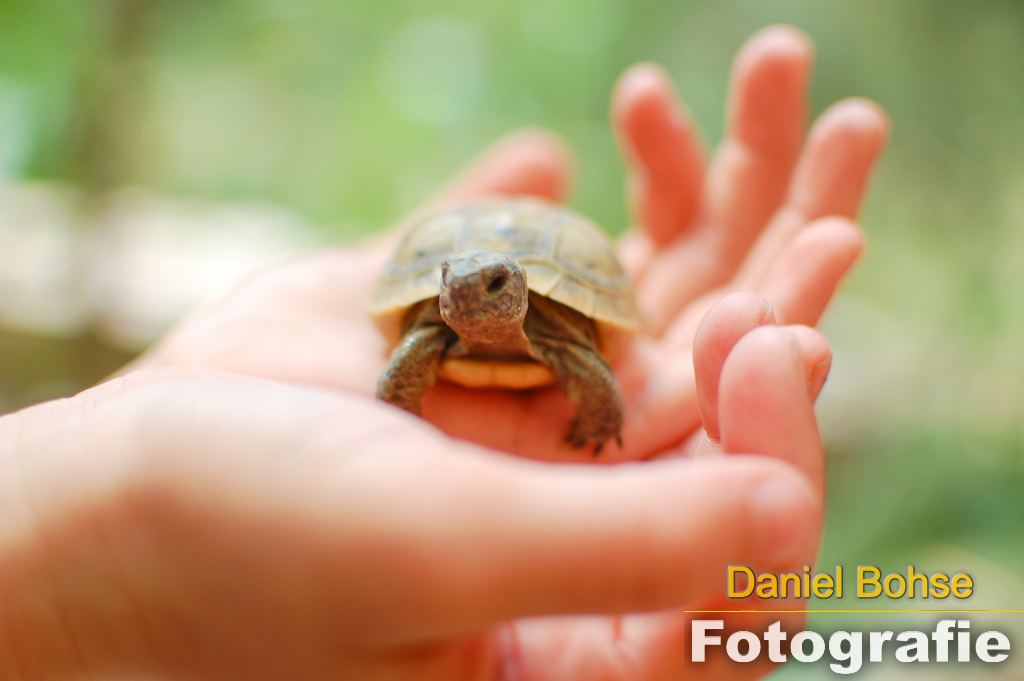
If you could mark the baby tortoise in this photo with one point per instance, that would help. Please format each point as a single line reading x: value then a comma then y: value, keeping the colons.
x: 512, y: 293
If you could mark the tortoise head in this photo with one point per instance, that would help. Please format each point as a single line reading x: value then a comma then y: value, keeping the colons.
x: 483, y: 296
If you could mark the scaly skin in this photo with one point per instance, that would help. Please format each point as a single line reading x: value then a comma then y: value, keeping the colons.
x: 414, y: 363
x: 560, y: 337
x: 566, y: 341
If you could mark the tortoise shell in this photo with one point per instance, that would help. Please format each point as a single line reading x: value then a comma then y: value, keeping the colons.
x: 567, y: 258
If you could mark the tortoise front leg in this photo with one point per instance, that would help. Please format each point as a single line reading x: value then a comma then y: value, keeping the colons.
x: 587, y: 380
x: 413, y: 366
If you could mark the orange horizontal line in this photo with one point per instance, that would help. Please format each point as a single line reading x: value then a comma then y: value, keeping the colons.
x: 850, y: 611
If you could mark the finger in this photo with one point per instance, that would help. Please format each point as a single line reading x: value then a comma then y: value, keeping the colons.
x: 748, y: 176
x: 540, y: 539
x: 214, y: 477
x: 805, y: 277
x: 664, y: 155
x: 662, y: 543
x: 800, y: 284
x: 726, y: 322
x: 529, y: 162
x: 816, y: 354
x: 831, y: 178
x: 678, y: 393
x: 842, y: 148
x: 635, y: 250
x: 764, y: 405
x: 817, y: 362
x: 765, y: 126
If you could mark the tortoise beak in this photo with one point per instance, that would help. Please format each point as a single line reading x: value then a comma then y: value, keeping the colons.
x: 483, y: 295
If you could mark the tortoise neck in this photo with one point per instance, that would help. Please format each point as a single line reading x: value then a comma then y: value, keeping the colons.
x: 488, y: 333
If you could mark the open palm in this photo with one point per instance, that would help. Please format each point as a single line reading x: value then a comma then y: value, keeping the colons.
x: 769, y: 214
x: 194, y: 524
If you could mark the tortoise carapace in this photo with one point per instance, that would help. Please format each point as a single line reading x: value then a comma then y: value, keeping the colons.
x: 513, y: 293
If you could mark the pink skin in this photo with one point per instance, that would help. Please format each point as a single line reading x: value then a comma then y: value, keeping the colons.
x: 765, y: 217
x: 166, y: 527
x: 153, y: 527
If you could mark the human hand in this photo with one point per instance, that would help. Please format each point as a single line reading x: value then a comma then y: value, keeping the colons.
x: 701, y: 236
x: 196, y: 524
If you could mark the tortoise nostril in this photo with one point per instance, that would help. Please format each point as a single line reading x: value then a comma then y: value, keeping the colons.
x: 496, y: 284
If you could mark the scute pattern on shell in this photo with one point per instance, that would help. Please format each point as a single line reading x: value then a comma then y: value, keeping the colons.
x: 566, y: 257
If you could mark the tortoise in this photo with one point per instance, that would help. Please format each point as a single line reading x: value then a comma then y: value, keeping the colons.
x: 513, y: 293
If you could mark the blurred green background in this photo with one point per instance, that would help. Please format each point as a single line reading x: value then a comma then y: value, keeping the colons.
x: 350, y: 113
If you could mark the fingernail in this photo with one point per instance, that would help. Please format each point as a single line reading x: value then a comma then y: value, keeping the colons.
x: 794, y: 344
x: 708, y: 447
x: 783, y: 519
x: 819, y: 373
x: 767, y: 314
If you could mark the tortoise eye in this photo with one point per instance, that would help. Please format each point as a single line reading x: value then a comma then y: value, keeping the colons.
x: 496, y: 284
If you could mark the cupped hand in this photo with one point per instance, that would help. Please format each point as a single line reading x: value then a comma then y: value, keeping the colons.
x: 770, y: 213
x: 181, y: 523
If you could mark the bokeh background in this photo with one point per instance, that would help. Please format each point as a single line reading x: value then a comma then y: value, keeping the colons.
x: 152, y: 151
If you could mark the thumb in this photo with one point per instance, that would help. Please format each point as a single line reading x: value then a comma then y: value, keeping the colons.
x: 764, y: 406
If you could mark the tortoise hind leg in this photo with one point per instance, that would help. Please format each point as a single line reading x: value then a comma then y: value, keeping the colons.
x: 587, y: 380
x: 413, y: 366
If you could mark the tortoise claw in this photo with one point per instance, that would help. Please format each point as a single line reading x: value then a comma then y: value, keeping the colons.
x: 577, y: 439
